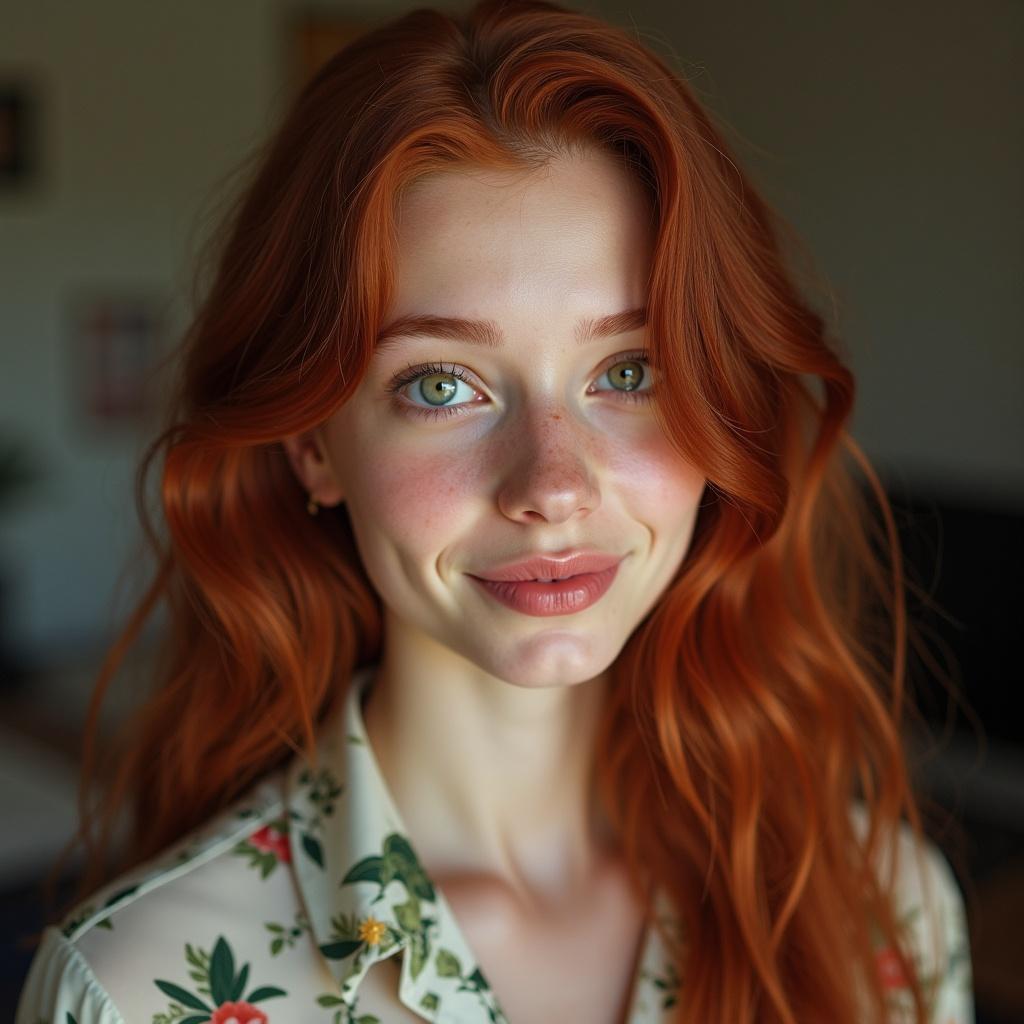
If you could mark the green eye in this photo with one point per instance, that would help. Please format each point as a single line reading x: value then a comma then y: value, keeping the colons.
x: 629, y: 374
x: 438, y: 388
x: 437, y: 384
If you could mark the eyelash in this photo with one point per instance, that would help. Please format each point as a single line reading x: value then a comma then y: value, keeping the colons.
x: 414, y: 373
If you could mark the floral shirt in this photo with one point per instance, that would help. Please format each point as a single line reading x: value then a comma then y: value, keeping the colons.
x: 274, y: 911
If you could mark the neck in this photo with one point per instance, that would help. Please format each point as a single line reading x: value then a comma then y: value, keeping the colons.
x: 491, y: 779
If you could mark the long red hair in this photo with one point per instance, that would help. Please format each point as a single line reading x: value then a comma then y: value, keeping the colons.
x: 766, y: 690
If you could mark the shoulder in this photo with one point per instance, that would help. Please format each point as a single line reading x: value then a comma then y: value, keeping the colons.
x: 179, y: 868
x: 128, y: 952
x: 932, y: 918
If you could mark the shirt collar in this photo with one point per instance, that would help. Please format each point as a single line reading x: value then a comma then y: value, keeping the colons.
x: 366, y: 895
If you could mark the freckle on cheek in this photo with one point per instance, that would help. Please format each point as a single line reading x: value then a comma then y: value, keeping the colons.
x: 421, y: 495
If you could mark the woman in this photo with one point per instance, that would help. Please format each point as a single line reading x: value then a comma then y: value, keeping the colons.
x: 526, y: 657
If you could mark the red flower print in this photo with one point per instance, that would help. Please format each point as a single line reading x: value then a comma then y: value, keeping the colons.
x: 890, y: 970
x: 238, y: 1013
x: 270, y: 840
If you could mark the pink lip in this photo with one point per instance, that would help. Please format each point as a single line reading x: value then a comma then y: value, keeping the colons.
x: 517, y: 588
x: 556, y: 567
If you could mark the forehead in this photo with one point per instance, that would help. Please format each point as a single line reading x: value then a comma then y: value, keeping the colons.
x: 475, y: 241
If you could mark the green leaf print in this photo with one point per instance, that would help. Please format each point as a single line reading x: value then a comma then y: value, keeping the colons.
x: 447, y: 964
x: 257, y: 995
x: 260, y: 861
x: 199, y: 961
x: 222, y: 972
x: 340, y: 949
x: 176, y: 1014
x: 397, y: 863
x: 322, y: 790
x: 400, y: 862
x: 419, y: 953
x: 215, y: 974
x: 120, y: 895
x: 314, y: 849
x: 243, y: 977
x: 182, y: 995
x: 667, y: 982
x: 287, y: 935
x: 81, y: 915
x: 408, y: 915
x: 346, y: 1013
x: 329, y: 1000
x: 369, y: 869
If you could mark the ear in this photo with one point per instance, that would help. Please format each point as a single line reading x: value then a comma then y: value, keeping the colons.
x: 312, y: 466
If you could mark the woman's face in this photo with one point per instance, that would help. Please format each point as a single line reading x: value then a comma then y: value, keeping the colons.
x: 542, y: 444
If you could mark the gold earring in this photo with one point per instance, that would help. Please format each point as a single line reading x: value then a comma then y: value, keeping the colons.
x: 312, y: 507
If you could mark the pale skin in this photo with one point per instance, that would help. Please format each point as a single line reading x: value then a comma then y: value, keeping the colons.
x: 482, y: 717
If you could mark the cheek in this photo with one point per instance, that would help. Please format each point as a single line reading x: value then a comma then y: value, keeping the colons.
x: 416, y: 494
x: 657, y: 485
x: 425, y: 495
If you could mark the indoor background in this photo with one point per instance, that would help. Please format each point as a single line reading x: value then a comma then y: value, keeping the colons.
x: 891, y: 136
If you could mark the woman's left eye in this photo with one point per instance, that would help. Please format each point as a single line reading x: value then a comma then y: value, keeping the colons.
x: 438, y: 384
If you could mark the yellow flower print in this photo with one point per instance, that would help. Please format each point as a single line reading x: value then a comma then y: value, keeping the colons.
x: 371, y: 931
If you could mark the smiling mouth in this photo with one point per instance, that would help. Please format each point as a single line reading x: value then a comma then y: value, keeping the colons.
x: 545, y: 597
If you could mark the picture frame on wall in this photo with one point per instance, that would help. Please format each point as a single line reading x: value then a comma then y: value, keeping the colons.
x: 115, y: 339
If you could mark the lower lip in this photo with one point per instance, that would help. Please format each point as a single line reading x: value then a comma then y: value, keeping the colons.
x: 561, y: 597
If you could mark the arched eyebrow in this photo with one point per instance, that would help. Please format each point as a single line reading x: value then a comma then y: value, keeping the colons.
x: 487, y: 332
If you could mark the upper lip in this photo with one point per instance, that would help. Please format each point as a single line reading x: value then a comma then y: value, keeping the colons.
x: 551, y: 567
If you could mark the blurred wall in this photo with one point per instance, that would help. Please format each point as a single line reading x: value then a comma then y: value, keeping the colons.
x: 891, y: 136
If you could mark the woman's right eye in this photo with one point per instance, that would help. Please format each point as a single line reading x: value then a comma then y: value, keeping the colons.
x: 434, y: 384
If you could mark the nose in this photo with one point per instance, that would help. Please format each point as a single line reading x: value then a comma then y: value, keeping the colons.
x: 549, y: 474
